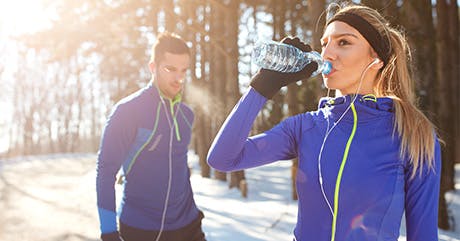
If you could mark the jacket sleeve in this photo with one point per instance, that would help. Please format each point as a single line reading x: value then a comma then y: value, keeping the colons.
x: 232, y: 149
x: 114, y: 145
x: 421, y: 201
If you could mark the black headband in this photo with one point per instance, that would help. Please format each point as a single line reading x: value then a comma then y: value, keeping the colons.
x: 377, y: 42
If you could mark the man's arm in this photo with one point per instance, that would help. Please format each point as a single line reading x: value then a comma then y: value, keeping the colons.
x: 113, y: 149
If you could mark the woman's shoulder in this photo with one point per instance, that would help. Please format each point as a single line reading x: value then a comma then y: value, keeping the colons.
x: 303, y: 121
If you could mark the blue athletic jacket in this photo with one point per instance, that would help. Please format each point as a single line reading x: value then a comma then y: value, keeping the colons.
x: 142, y: 135
x: 374, y: 187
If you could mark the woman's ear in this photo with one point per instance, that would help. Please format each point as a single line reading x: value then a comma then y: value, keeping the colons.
x: 377, y: 64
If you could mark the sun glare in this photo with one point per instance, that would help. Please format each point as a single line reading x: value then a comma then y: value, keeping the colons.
x: 4, y: 135
x: 22, y: 16
x: 17, y: 17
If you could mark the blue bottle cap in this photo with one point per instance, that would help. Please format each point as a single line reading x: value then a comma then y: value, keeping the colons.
x: 327, y: 67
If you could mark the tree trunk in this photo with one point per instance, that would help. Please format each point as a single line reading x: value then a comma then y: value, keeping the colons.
x: 231, y: 23
x: 278, y: 12
x: 312, y: 88
x: 218, y: 75
x: 443, y: 113
x: 417, y: 19
x: 454, y: 60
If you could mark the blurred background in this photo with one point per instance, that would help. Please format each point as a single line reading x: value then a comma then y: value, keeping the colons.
x: 63, y: 64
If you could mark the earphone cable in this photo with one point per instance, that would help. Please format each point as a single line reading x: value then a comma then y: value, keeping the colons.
x: 328, y: 131
x: 168, y: 190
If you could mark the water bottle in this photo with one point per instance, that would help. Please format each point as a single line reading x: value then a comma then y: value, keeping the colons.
x: 287, y: 58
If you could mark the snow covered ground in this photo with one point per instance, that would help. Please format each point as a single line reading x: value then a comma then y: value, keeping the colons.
x: 53, y: 198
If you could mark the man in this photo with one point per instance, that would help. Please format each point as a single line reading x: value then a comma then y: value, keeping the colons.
x: 147, y: 135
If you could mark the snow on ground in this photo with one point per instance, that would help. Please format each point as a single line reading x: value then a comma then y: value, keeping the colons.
x: 53, y: 198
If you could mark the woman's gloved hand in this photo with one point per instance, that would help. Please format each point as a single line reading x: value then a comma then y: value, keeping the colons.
x: 269, y: 82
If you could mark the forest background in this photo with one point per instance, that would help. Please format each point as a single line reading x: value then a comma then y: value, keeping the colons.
x: 60, y: 82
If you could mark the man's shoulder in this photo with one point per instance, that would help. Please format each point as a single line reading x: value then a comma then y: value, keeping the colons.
x: 132, y: 102
x: 138, y: 95
x: 187, y: 111
x: 186, y: 107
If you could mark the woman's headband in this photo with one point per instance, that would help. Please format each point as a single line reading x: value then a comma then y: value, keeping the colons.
x: 380, y: 44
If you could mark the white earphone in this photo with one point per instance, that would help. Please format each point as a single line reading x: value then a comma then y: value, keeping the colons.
x: 376, y: 61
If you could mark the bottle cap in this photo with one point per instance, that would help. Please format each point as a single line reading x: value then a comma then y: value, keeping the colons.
x: 327, y: 67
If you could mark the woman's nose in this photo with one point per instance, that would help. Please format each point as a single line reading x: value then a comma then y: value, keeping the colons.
x: 328, y: 52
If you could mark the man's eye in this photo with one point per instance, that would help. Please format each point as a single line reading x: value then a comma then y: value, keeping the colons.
x: 168, y: 69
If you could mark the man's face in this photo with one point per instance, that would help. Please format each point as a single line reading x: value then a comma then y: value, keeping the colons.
x: 170, y: 72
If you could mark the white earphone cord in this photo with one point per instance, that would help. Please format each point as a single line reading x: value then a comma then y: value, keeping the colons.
x: 168, y: 191
x: 320, y: 177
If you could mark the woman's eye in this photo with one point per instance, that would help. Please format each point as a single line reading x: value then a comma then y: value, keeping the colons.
x: 343, y: 42
x: 323, y: 45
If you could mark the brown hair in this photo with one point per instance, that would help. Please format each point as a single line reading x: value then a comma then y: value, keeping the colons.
x: 168, y: 43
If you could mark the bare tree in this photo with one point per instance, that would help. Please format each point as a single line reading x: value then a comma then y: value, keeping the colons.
x: 444, y: 115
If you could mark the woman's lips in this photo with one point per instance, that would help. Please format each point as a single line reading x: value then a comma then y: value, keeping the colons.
x: 330, y: 73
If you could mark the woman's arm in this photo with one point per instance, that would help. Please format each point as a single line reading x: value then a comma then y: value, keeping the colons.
x: 233, y: 150
x: 421, y: 202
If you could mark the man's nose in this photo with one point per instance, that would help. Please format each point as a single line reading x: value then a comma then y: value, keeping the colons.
x: 180, y: 77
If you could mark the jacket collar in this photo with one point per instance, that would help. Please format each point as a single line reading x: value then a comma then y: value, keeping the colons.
x: 368, y: 107
x: 156, y: 93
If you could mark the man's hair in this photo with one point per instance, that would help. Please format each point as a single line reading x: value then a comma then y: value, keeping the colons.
x: 168, y: 43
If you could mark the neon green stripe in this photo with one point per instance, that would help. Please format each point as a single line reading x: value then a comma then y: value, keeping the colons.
x: 370, y: 97
x: 176, y: 126
x: 339, y: 176
x: 148, y: 140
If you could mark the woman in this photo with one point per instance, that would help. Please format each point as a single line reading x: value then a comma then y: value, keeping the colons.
x: 365, y: 156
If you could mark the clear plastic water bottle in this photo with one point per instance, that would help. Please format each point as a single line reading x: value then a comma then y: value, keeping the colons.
x: 287, y: 58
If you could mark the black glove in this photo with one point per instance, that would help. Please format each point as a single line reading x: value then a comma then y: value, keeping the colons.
x: 269, y: 82
x: 114, y: 236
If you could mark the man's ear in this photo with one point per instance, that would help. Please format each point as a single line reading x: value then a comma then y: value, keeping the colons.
x: 152, y: 67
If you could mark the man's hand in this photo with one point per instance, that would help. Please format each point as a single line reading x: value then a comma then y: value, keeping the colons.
x: 115, y: 236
